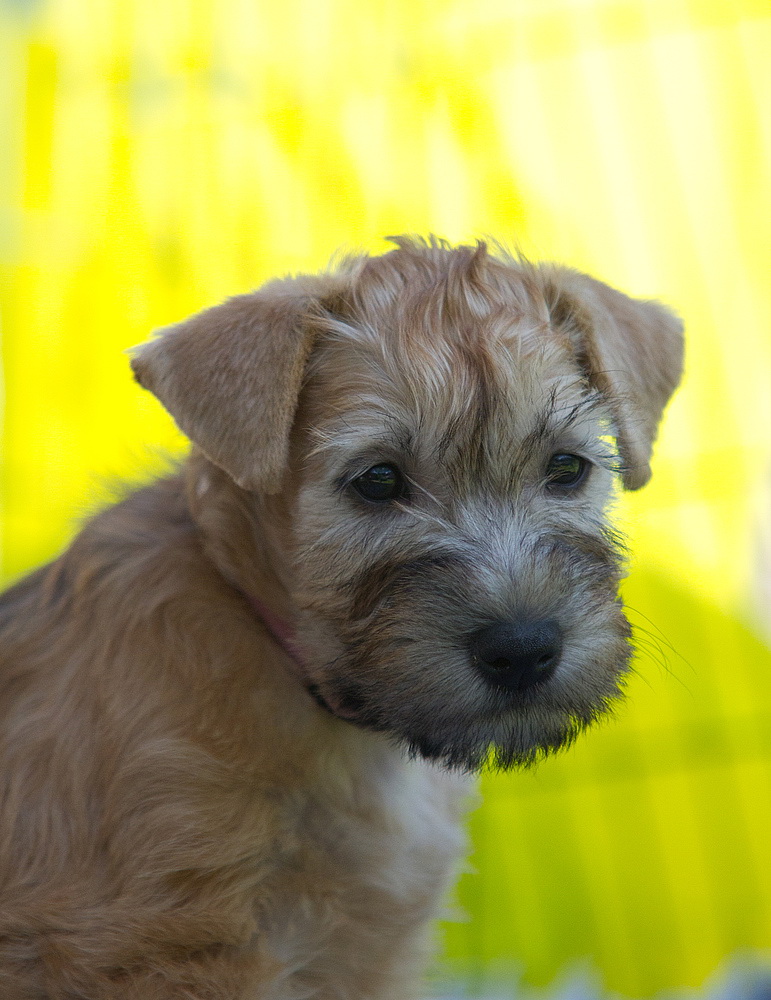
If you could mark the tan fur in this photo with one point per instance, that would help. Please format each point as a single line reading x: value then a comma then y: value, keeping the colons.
x: 180, y: 818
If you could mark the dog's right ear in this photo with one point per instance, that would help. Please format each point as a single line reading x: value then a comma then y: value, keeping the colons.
x: 231, y: 376
x: 631, y: 350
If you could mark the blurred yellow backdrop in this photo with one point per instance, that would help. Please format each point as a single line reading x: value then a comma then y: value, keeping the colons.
x: 157, y: 157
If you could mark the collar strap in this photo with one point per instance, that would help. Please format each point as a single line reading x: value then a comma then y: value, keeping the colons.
x: 282, y: 634
x: 280, y: 631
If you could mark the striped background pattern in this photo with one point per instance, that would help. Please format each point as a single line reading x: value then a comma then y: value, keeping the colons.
x: 157, y: 157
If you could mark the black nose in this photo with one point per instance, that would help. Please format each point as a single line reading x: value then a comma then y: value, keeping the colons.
x: 517, y: 655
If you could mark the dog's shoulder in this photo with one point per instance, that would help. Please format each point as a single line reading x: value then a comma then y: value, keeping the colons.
x: 147, y: 538
x: 114, y: 612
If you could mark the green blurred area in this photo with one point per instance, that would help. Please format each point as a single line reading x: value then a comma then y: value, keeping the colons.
x: 645, y: 846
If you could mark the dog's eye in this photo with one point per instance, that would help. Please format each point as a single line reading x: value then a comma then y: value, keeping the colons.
x: 566, y: 470
x: 380, y: 484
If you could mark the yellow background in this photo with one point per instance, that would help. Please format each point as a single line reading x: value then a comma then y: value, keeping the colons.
x: 158, y: 156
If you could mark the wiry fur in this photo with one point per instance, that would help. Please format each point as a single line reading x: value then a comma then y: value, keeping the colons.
x: 180, y: 818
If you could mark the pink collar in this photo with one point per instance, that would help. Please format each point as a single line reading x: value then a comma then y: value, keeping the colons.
x: 281, y: 631
x: 282, y: 634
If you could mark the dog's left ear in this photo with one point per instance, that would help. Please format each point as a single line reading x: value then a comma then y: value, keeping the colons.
x: 231, y: 376
x: 631, y: 351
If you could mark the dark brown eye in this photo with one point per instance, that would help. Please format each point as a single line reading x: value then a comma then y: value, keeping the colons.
x: 381, y: 484
x: 566, y: 471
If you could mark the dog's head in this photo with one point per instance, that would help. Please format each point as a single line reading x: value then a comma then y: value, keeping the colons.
x: 444, y: 428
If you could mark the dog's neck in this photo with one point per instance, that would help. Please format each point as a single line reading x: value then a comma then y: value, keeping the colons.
x: 281, y: 631
x: 246, y: 562
x: 283, y: 635
x: 230, y: 523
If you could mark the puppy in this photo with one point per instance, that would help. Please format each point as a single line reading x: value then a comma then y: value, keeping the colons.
x: 239, y: 712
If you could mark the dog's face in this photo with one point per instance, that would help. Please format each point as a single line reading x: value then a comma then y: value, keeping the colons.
x: 447, y: 464
x: 455, y: 573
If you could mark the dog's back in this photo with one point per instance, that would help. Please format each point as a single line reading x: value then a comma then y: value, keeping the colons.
x: 107, y: 757
x: 79, y: 710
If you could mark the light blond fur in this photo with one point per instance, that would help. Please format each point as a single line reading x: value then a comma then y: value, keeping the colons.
x: 180, y: 818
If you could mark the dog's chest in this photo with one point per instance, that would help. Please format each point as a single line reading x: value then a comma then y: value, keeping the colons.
x: 376, y: 847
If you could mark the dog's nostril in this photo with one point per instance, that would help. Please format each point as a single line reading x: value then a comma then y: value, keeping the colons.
x: 517, y: 655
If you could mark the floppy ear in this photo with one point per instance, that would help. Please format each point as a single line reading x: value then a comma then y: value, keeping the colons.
x: 631, y: 351
x: 231, y: 376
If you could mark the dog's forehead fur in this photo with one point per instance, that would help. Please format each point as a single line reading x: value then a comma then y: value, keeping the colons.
x: 449, y: 353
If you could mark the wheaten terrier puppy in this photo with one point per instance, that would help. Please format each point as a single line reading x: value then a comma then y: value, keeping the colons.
x: 238, y: 713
